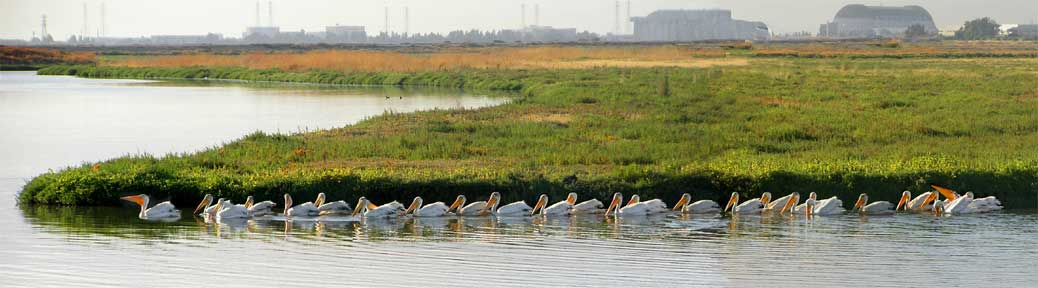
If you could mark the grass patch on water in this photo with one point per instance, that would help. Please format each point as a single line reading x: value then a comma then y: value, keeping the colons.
x: 836, y: 126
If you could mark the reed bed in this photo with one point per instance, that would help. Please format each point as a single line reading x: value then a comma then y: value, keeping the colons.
x: 35, y: 57
x: 447, y: 59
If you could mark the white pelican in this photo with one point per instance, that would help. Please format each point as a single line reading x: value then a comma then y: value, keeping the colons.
x: 563, y: 208
x: 787, y: 202
x: 615, y: 203
x: 918, y: 204
x: 208, y: 207
x: 938, y: 208
x: 698, y: 207
x: 517, y: 208
x: 435, y: 209
x: 875, y: 208
x: 972, y: 205
x: 755, y: 205
x: 262, y: 208
x: 961, y: 205
x: 802, y: 208
x: 203, y: 207
x: 334, y: 208
x: 830, y: 206
x: 305, y: 209
x: 636, y: 207
x: 388, y: 210
x: 592, y: 206
x: 986, y: 204
x: 164, y: 210
x: 472, y: 209
x: 231, y: 212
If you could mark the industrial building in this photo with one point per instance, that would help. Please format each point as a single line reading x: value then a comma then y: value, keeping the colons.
x: 547, y: 34
x: 1025, y: 31
x: 696, y: 25
x: 860, y: 21
x: 345, y: 34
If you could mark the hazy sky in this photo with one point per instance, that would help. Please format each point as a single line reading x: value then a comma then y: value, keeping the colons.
x: 19, y: 18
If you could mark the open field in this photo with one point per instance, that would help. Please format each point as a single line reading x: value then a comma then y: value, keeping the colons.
x: 838, y: 125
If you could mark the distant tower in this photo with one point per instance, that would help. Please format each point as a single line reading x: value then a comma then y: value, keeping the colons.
x: 44, y: 36
x: 385, y: 25
x: 523, y: 21
x: 86, y: 28
x: 104, y: 21
x: 270, y: 13
x: 257, y: 14
x: 407, y: 21
x: 616, y: 26
x: 536, y: 14
x: 627, y: 20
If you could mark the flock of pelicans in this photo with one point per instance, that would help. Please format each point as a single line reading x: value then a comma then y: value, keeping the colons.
x: 927, y: 202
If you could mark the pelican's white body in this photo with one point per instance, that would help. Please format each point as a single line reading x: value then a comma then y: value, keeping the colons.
x: 878, y: 208
x: 232, y: 212
x: 519, y: 208
x: 335, y: 208
x: 435, y: 209
x: 643, y: 208
x: 701, y: 207
x: 388, y: 210
x: 751, y: 206
x: 558, y: 209
x: 262, y: 209
x: 303, y: 210
x: 831, y: 206
x: 592, y: 206
x: 472, y: 209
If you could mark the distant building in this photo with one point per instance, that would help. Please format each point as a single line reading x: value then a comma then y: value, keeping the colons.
x: 183, y: 39
x: 534, y: 33
x: 1024, y: 31
x: 695, y: 25
x: 345, y: 34
x: 860, y: 21
x: 261, y: 32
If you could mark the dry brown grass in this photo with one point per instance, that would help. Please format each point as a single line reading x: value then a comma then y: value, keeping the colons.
x: 552, y: 57
x: 902, y: 50
x: 35, y: 56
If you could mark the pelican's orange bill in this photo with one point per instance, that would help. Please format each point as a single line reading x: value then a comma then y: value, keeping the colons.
x: 948, y: 193
x: 134, y: 198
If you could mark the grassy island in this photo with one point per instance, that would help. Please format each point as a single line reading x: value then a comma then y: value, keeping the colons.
x: 710, y: 121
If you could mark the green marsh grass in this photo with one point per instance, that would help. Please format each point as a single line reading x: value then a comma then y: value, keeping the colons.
x: 836, y: 126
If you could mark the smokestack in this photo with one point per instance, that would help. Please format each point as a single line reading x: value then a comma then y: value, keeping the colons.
x: 270, y: 13
x: 407, y: 21
x: 86, y: 27
x: 627, y: 20
x: 537, y: 14
x: 43, y: 26
x: 386, y: 24
x: 104, y: 21
x: 257, y: 13
x: 523, y: 16
x: 616, y: 26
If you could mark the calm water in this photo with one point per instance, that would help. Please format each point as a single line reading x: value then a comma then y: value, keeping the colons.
x: 52, y: 122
